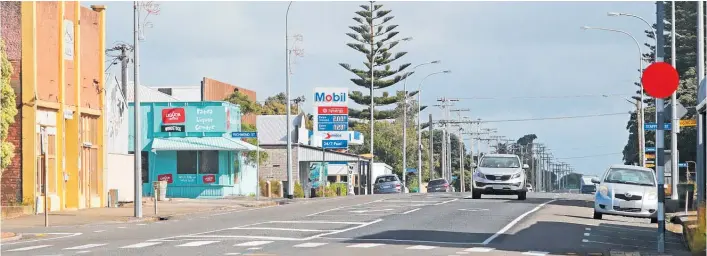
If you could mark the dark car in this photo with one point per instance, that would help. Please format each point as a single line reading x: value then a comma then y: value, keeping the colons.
x: 387, y: 184
x: 438, y: 185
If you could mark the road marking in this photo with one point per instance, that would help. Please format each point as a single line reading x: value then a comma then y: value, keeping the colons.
x: 140, y: 245
x: 98, y: 231
x: 463, y: 253
x: 586, y: 234
x: 585, y: 241
x: 514, y: 222
x: 28, y: 248
x: 344, y: 230
x: 141, y: 224
x: 366, y: 245
x: 309, y: 245
x: 446, y: 202
x: 479, y: 249
x: 82, y: 252
x: 285, y: 229
x: 240, y: 210
x: 200, y: 237
x: 410, y: 211
x: 398, y: 240
x: 337, y: 208
x: 121, y: 227
x: 587, y: 229
x: 474, y: 210
x: 365, y: 211
x: 196, y: 243
x: 535, y: 253
x: 313, y: 221
x: 45, y: 239
x: 85, y: 246
x: 253, y: 243
x: 233, y: 253
x: 421, y: 247
x: 254, y: 248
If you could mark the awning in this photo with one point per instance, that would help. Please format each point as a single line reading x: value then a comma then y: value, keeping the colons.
x: 201, y: 143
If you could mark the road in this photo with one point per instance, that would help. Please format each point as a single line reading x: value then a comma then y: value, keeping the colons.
x: 411, y: 224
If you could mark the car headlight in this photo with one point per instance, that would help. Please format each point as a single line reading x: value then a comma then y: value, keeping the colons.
x: 604, y: 191
x: 478, y: 174
x: 517, y: 175
x: 651, y: 195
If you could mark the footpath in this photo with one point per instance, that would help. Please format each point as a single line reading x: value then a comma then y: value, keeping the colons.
x: 171, y: 208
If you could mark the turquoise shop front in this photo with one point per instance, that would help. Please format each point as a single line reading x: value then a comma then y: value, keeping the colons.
x: 188, y: 145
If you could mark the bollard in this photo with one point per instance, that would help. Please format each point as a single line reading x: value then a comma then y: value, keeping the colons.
x: 282, y: 189
x: 268, y: 188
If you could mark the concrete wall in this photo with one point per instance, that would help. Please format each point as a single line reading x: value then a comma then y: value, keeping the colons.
x: 120, y: 175
x: 275, y: 168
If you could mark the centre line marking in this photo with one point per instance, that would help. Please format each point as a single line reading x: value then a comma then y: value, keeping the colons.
x: 514, y: 222
x: 285, y: 229
x: 344, y: 230
x: 410, y: 211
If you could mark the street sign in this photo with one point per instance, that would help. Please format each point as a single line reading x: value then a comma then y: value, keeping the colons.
x: 682, y: 165
x: 650, y: 156
x: 244, y: 134
x: 411, y: 170
x: 680, y: 109
x: 650, y: 149
x: 650, y: 165
x: 650, y: 161
x: 688, y: 122
x: 332, y: 120
x: 654, y: 126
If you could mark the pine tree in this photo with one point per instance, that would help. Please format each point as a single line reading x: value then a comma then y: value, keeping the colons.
x: 374, y: 38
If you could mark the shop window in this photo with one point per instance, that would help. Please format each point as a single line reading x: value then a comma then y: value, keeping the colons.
x: 344, y: 178
x: 186, y: 162
x: 331, y: 179
x: 145, y: 166
x: 208, y: 162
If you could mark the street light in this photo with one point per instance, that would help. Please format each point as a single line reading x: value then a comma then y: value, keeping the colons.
x: 641, y: 112
x: 419, y: 130
x: 405, y: 121
x: 290, y: 183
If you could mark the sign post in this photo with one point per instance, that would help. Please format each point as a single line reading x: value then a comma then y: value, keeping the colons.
x: 45, y: 162
x: 248, y: 135
x: 331, y: 121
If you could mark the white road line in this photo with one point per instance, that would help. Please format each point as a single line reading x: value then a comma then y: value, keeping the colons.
x: 196, y: 243
x: 82, y: 252
x: 46, y: 239
x: 28, y: 248
x: 98, y: 231
x: 85, y: 246
x: 421, y: 247
x: 309, y: 245
x: 253, y: 243
x: 200, y: 233
x: 237, y: 211
x: 121, y: 227
x: 446, y: 202
x: 141, y: 224
x: 366, y: 245
x: 399, y: 240
x: 587, y: 229
x: 410, y: 211
x: 254, y: 248
x: 479, y: 249
x: 233, y: 253
x: 463, y: 253
x: 344, y: 230
x: 140, y: 245
x: 341, y: 207
x: 248, y: 237
x: 514, y: 222
x: 535, y: 253
x: 284, y: 229
x: 316, y: 221
x: 586, y: 234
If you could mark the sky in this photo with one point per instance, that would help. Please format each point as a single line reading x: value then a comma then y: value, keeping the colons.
x: 531, y: 58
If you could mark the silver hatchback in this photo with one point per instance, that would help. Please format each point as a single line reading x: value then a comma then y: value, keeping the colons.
x: 387, y: 184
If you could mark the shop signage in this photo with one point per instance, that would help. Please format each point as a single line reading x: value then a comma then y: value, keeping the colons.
x: 173, y: 116
x: 331, y: 122
x: 165, y: 177
x: 172, y: 128
x: 209, y: 178
x: 187, y: 178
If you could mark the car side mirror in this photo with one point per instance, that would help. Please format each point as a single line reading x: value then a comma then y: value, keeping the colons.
x: 525, y: 166
x: 473, y: 165
x: 596, y: 181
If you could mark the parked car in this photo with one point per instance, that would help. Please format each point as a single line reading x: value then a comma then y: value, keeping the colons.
x: 627, y: 190
x: 439, y: 185
x: 529, y: 187
x: 586, y: 185
x: 499, y: 174
x: 387, y: 184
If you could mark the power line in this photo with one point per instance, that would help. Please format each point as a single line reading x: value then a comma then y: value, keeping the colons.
x: 549, y: 97
x: 553, y: 118
x: 588, y: 156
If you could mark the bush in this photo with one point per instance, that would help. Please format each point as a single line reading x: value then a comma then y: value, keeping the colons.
x: 275, y: 187
x: 697, y: 236
x: 299, y: 192
x: 263, y: 188
x: 333, y: 187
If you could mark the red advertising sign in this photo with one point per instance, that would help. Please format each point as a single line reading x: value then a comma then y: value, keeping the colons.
x: 173, y: 115
x: 209, y: 178
x: 166, y: 177
x: 328, y: 110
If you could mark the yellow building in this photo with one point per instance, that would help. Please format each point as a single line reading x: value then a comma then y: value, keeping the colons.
x: 62, y: 95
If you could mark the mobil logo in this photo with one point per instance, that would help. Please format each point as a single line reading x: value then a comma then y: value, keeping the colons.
x: 329, y: 97
x: 333, y: 135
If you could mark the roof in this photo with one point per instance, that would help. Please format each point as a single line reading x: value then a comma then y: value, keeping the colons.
x: 500, y: 155
x: 635, y: 167
x: 271, y: 128
x: 149, y: 94
x: 201, y: 143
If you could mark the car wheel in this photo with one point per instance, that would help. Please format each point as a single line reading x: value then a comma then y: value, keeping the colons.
x: 654, y: 220
x: 521, y: 195
x: 476, y: 194
x: 597, y: 215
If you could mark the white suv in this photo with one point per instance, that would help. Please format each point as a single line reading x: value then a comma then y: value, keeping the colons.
x: 499, y: 174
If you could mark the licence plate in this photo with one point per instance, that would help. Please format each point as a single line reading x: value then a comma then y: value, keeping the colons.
x: 497, y: 187
x: 387, y: 186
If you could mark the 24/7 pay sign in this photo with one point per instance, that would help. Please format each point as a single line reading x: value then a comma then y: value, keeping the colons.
x: 332, y: 120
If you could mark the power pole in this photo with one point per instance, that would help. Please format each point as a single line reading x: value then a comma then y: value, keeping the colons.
x: 659, y: 133
x: 137, y: 151
x: 431, y: 146
x: 124, y: 61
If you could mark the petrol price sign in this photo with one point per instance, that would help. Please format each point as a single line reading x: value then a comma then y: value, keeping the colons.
x: 331, y: 108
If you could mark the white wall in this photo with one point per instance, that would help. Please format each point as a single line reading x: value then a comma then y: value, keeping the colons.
x: 120, y: 175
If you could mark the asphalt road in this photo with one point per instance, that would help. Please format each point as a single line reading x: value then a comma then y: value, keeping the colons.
x: 411, y: 224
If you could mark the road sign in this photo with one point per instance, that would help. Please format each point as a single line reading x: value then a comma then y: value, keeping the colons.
x: 332, y: 120
x: 650, y: 161
x: 650, y: 156
x: 682, y: 165
x: 654, y: 126
x: 244, y: 134
x: 650, y: 165
x: 688, y: 122
x: 411, y: 170
x: 335, y: 143
x: 650, y: 149
x: 667, y: 110
x: 333, y: 127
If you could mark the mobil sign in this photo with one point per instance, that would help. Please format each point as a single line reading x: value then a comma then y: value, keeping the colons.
x: 331, y: 121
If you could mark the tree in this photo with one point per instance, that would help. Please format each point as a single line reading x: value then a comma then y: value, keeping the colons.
x: 686, y: 63
x: 9, y: 108
x: 375, y: 39
x: 248, y: 107
x: 277, y: 105
x: 437, y: 147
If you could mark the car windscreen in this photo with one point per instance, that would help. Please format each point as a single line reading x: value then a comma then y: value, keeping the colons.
x: 500, y: 162
x: 436, y: 182
x: 630, y: 176
x: 386, y: 179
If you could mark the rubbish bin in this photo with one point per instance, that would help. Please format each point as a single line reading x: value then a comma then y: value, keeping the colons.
x: 160, y: 188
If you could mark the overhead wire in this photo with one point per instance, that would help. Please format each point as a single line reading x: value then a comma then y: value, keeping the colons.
x: 553, y: 118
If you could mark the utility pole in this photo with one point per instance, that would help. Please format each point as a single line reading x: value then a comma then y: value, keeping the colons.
x: 290, y: 181
x: 674, y: 112
x: 137, y: 145
x: 124, y: 61
x: 659, y: 105
x: 432, y: 161
x: 699, y: 168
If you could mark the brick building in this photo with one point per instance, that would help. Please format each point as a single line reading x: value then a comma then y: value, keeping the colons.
x: 57, y: 52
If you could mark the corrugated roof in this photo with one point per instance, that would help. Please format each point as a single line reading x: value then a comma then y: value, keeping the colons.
x: 149, y: 94
x: 271, y: 128
x: 201, y: 143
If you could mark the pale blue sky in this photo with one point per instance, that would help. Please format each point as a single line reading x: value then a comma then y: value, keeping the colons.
x: 494, y: 49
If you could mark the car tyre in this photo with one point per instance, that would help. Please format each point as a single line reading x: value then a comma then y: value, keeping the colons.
x: 654, y: 220
x: 597, y: 215
x: 521, y: 195
x: 476, y: 194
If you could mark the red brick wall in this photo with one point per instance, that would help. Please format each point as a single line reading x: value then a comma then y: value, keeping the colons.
x: 11, y: 183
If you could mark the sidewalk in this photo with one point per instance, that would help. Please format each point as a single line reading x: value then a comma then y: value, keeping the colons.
x: 124, y: 213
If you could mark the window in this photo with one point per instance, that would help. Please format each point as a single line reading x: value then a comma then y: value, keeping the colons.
x: 186, y: 162
x: 145, y: 166
x: 331, y: 179
x: 386, y: 179
x: 208, y: 162
x: 630, y: 176
x: 344, y: 178
x: 167, y: 91
x: 437, y: 182
x: 500, y: 162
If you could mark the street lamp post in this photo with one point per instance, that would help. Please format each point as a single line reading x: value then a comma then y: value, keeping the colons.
x: 641, y: 111
x: 419, y: 131
x: 290, y: 183
x: 405, y: 122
